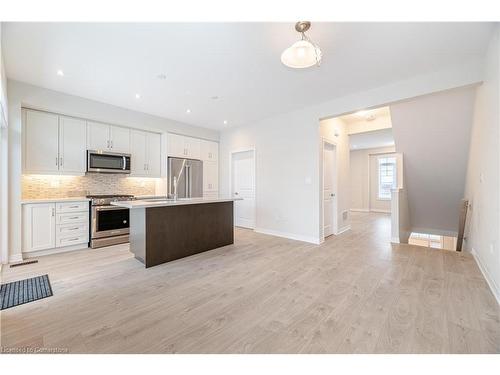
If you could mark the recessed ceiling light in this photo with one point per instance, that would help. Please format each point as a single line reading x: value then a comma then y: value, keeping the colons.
x: 137, y: 96
x: 60, y: 73
x: 188, y: 111
x: 225, y: 122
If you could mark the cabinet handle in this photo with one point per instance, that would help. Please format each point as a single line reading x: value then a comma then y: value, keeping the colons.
x: 73, y: 218
x: 72, y: 239
x: 57, y: 161
x: 111, y: 144
x: 53, y: 212
x: 61, y: 162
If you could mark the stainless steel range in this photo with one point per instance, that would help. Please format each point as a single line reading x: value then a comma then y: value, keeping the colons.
x: 109, y: 225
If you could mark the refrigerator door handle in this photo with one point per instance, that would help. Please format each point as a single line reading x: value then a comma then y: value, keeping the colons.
x: 188, y: 181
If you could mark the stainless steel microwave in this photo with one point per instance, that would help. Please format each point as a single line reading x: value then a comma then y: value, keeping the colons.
x: 107, y: 162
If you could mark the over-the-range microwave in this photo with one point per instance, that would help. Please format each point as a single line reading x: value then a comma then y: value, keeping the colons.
x: 107, y: 162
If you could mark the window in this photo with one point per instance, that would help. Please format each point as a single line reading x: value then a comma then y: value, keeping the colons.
x: 386, y: 176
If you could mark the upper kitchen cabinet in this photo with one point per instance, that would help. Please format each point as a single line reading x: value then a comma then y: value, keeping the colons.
x: 53, y: 144
x: 72, y: 147
x: 145, y: 153
x: 209, y: 150
x: 108, y: 138
x: 41, y: 142
x: 183, y: 147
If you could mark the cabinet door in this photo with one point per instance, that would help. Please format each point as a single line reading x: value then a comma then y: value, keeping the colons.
x: 72, y: 145
x: 98, y: 136
x: 39, y: 226
x: 176, y: 146
x: 154, y: 154
x: 119, y: 139
x: 205, y: 148
x: 192, y: 146
x: 138, y: 159
x: 214, y: 151
x: 210, y: 176
x: 41, y: 142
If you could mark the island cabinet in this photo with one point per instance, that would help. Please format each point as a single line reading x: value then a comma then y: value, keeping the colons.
x: 162, y: 231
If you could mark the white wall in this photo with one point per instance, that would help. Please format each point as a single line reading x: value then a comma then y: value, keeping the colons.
x: 288, y: 149
x: 360, y: 173
x: 4, y: 207
x: 482, y: 184
x: 22, y: 94
x: 433, y: 134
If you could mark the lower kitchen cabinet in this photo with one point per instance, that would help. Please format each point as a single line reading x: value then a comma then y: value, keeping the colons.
x: 55, y: 225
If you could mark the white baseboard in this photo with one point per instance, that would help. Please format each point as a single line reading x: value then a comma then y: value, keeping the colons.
x: 359, y: 210
x: 291, y: 236
x: 57, y: 250
x: 491, y: 283
x: 344, y: 229
x: 15, y: 258
x: 395, y: 240
x: 381, y: 211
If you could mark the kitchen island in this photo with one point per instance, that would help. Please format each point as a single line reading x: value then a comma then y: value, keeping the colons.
x: 162, y: 230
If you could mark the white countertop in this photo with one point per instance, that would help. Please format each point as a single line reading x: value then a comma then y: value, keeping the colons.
x: 145, y: 203
x: 55, y: 200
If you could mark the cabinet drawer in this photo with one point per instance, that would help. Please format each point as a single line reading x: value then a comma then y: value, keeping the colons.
x: 71, y: 207
x: 72, y: 240
x: 69, y: 230
x: 70, y: 218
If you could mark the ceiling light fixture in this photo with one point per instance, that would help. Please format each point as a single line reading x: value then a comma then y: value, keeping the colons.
x: 188, y: 111
x: 137, y: 96
x: 305, y: 52
x: 225, y: 122
x: 60, y: 73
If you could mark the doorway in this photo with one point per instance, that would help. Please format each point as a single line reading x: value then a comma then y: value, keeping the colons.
x: 243, y: 186
x: 329, y: 189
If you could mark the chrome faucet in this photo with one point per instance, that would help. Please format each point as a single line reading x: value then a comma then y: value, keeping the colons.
x: 175, y: 188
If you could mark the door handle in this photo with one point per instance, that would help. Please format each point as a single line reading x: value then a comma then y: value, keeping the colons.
x: 236, y: 193
x: 332, y: 195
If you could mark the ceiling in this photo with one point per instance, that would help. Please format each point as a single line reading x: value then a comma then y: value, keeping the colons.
x: 373, y: 139
x: 237, y: 62
x: 367, y: 115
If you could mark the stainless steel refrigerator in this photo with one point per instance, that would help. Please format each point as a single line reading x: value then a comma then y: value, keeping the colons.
x: 189, y: 176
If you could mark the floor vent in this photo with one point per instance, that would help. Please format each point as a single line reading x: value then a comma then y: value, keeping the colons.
x: 23, y: 263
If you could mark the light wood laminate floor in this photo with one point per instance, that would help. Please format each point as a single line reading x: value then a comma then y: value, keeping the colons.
x: 355, y: 293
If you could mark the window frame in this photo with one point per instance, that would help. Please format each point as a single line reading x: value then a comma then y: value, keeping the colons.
x: 387, y: 197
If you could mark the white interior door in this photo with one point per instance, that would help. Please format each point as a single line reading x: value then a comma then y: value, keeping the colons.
x: 329, y: 190
x: 243, y: 186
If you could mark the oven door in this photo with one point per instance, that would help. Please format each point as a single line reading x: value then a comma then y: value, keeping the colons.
x: 107, y: 162
x: 109, y: 221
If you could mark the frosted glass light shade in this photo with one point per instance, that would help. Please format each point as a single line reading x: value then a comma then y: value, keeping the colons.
x: 301, y: 54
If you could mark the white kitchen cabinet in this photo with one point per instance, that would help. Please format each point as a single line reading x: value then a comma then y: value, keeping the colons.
x: 72, y: 145
x: 145, y: 154
x: 41, y: 142
x: 53, y: 144
x: 210, y: 176
x: 97, y: 136
x: 138, y: 146
x: 209, y: 150
x: 119, y: 139
x: 39, y: 226
x: 55, y: 225
x: 180, y: 146
x: 154, y: 154
x: 107, y: 137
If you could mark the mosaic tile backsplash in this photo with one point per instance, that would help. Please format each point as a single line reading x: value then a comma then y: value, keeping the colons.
x: 39, y: 186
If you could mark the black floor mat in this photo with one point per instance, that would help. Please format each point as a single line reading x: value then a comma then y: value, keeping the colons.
x: 24, y: 291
